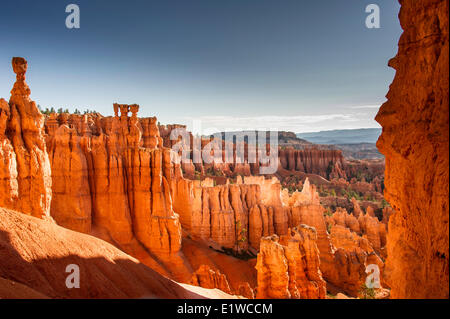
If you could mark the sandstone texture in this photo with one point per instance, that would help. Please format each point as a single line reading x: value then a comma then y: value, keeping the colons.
x: 25, y: 175
x: 288, y: 266
x: 208, y: 278
x: 111, y: 178
x: 415, y: 142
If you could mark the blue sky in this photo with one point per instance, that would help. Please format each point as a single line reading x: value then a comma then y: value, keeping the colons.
x: 235, y: 64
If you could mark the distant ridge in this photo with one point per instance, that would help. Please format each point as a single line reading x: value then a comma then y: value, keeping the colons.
x: 351, y: 136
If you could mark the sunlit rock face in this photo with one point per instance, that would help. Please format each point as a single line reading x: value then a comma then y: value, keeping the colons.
x: 415, y: 141
x: 209, y: 278
x: 25, y: 174
x: 288, y: 266
x: 106, y: 180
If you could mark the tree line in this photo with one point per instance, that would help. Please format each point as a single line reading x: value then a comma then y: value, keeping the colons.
x: 48, y: 111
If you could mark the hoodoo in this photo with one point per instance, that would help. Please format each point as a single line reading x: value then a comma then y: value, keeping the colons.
x: 25, y: 175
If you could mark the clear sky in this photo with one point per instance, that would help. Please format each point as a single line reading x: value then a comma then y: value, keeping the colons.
x: 236, y: 64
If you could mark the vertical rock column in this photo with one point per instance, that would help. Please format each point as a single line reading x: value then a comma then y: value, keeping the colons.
x: 288, y: 266
x: 23, y: 152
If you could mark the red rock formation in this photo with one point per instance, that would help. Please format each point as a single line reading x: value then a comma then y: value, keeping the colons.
x: 324, y: 162
x: 306, y: 209
x: 246, y: 291
x: 342, y: 218
x: 370, y: 211
x: 353, y: 254
x: 374, y: 230
x: 366, y: 225
x: 233, y: 216
x: 288, y: 266
x: 356, y: 208
x: 306, y: 158
x: 25, y: 175
x: 370, y: 170
x: 10, y: 289
x: 112, y: 178
x: 415, y: 141
x: 71, y: 204
x: 127, y: 185
x: 208, y: 278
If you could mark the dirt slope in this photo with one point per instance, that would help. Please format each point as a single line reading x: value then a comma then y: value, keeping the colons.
x: 34, y: 254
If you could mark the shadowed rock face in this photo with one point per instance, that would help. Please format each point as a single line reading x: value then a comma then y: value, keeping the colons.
x: 415, y: 142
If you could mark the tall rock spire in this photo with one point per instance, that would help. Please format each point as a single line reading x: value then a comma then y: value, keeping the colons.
x: 24, y: 160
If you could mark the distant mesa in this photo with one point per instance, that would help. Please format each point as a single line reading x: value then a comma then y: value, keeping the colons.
x: 351, y: 136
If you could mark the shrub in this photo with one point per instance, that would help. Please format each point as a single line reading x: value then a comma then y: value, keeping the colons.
x: 366, y: 292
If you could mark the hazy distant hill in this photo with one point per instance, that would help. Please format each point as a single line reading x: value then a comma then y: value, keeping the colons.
x: 352, y: 142
x: 355, y: 136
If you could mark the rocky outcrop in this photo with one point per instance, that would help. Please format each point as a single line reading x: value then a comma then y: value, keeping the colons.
x: 386, y: 213
x: 415, y: 142
x: 288, y: 266
x: 357, y: 211
x: 352, y: 255
x: 246, y: 291
x: 232, y: 216
x: 344, y: 253
x: 209, y: 278
x: 25, y: 176
x: 344, y: 219
x: 366, y: 225
x: 324, y: 162
x: 374, y: 230
x: 306, y: 209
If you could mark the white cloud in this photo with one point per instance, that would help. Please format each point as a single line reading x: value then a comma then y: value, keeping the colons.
x: 358, y: 107
x: 297, y: 123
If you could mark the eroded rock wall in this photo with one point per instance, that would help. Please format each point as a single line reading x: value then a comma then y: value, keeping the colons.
x: 112, y: 176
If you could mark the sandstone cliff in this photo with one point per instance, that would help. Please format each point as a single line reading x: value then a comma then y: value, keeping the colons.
x: 415, y: 141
